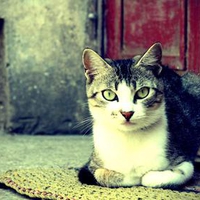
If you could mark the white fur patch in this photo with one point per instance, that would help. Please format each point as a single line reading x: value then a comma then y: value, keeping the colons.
x: 178, y: 176
x: 123, y: 146
x: 132, y: 154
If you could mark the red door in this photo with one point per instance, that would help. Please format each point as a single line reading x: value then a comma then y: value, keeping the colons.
x: 134, y: 25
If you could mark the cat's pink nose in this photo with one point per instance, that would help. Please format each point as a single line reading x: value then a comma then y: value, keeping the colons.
x: 127, y: 115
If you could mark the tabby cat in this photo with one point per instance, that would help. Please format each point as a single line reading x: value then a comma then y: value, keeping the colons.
x: 146, y: 121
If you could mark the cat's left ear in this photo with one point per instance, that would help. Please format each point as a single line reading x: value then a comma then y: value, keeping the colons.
x: 152, y: 58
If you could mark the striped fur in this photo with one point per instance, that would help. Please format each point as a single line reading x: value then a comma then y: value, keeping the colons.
x: 145, y: 129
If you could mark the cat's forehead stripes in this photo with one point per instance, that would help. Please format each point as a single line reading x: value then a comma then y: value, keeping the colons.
x: 123, y: 71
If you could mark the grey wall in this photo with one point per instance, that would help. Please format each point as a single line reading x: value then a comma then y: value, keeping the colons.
x: 4, y: 93
x: 44, y: 40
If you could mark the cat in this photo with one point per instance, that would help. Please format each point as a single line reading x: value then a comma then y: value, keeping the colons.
x: 146, y: 121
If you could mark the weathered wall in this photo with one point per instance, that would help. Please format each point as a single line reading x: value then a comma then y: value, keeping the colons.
x: 4, y: 91
x: 44, y: 40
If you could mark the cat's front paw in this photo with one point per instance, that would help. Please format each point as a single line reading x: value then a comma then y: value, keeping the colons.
x: 108, y: 178
x: 175, y: 177
x: 155, y: 178
x: 165, y: 178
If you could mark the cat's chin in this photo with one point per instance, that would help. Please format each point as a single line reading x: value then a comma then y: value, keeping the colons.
x: 127, y: 127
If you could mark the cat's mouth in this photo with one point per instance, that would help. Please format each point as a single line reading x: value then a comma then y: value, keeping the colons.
x: 127, y: 126
x: 127, y: 123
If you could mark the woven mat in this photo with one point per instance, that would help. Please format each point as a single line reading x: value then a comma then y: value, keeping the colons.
x: 60, y: 183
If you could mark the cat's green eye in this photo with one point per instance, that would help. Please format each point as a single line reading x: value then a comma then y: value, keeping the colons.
x: 142, y: 93
x: 109, y: 95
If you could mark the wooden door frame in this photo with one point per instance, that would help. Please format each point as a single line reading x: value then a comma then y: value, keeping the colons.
x: 101, y: 27
x: 117, y: 33
x: 193, y: 36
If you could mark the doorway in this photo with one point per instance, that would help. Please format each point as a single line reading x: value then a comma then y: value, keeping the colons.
x: 131, y: 26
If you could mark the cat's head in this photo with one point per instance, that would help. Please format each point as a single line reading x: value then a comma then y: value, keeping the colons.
x: 125, y: 94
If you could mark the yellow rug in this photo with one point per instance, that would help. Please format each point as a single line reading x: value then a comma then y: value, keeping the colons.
x: 61, y: 183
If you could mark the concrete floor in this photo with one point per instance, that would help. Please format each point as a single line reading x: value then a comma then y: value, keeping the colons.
x: 22, y: 151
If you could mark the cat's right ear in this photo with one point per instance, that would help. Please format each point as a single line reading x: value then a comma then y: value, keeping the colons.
x: 93, y: 64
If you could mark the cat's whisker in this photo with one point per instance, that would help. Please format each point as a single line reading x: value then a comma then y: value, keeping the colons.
x: 84, y: 126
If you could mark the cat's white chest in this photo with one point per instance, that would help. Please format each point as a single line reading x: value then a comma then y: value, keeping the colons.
x: 132, y: 154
